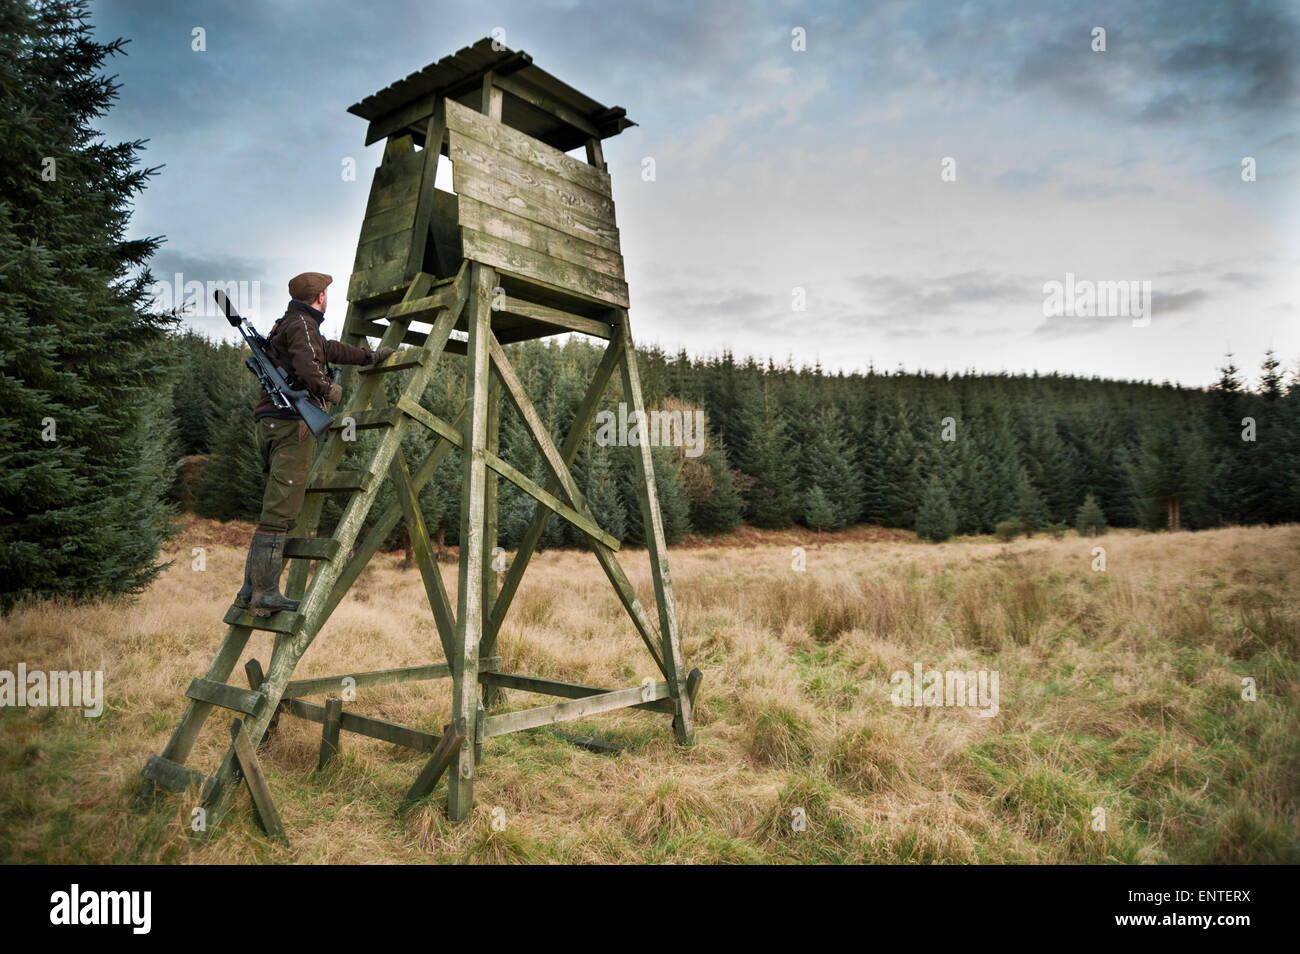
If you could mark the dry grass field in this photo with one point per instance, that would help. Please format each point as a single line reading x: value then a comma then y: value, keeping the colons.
x: 1119, y: 690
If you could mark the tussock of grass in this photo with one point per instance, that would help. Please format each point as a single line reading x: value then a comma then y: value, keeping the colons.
x: 1120, y: 690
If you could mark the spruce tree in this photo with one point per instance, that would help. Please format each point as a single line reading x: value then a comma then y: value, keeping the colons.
x: 773, y: 494
x: 87, y: 455
x: 672, y: 502
x: 1002, y: 469
x: 827, y: 462
x: 1090, y: 521
x: 903, y: 484
x: 818, y: 513
x: 1171, y: 475
x: 232, y: 483
x: 872, y: 459
x: 721, y: 510
x: 601, y: 489
x: 936, y: 520
x: 1032, y: 511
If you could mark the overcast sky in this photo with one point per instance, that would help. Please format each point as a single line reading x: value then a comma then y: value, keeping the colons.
x: 778, y: 168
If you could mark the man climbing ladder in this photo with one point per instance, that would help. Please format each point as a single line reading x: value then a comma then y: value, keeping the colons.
x: 301, y: 351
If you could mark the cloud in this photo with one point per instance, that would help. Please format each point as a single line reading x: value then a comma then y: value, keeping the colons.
x: 1164, y: 303
x: 892, y: 299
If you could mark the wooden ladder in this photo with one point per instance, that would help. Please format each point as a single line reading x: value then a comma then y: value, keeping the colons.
x: 428, y: 300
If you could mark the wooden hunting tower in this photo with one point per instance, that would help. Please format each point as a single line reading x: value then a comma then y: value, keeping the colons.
x: 525, y: 247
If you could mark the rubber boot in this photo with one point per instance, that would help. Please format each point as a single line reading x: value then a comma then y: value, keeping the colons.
x: 245, y: 596
x: 266, y: 560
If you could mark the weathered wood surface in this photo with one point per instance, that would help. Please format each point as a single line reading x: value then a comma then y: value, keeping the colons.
x: 434, y: 134
x: 530, y: 94
x: 560, y: 319
x: 225, y: 696
x: 329, y: 736
x: 363, y: 421
x: 519, y: 145
x: 343, y: 481
x: 379, y: 677
x: 371, y: 728
x: 384, y: 247
x: 469, y: 596
x: 282, y: 622
x: 652, y: 519
x: 172, y: 775
x: 444, y: 755
x: 422, y: 549
x: 521, y: 261
x: 251, y: 768
x: 566, y: 690
x: 545, y: 240
x: 196, y: 713
x: 532, y: 191
x: 535, y: 206
x: 508, y: 722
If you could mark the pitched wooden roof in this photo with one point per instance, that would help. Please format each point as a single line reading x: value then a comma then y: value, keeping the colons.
x: 534, y: 101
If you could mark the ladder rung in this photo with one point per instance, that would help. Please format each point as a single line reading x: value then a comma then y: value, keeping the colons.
x: 345, y: 481
x: 228, y: 697
x: 275, y: 623
x: 409, y: 337
x: 172, y: 775
x: 398, y: 362
x: 311, y: 548
x: 366, y: 420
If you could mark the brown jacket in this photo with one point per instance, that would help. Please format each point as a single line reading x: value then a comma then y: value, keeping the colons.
x: 302, y: 353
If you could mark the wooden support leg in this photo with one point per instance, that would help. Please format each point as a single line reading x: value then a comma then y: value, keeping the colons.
x: 253, y: 670
x: 443, y: 756
x: 652, y: 518
x: 469, y: 596
x: 491, y: 695
x: 329, y: 734
x: 267, y: 813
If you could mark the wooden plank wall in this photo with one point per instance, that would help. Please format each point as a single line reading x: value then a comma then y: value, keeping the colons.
x: 379, y: 269
x: 530, y: 210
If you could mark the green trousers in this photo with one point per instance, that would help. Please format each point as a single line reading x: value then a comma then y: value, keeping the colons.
x: 286, y: 447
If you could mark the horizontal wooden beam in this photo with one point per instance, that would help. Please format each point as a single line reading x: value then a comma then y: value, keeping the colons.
x: 380, y: 677
x: 572, y: 709
x: 282, y: 622
x: 566, y: 690
x: 366, y: 420
x: 402, y: 361
x: 228, y: 697
x: 424, y: 309
x: 342, y: 481
x: 402, y: 735
x: 560, y: 319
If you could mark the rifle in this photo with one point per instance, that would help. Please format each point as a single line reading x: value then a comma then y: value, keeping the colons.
x: 272, y: 378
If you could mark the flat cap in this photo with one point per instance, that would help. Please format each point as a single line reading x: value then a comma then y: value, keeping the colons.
x: 308, y: 285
